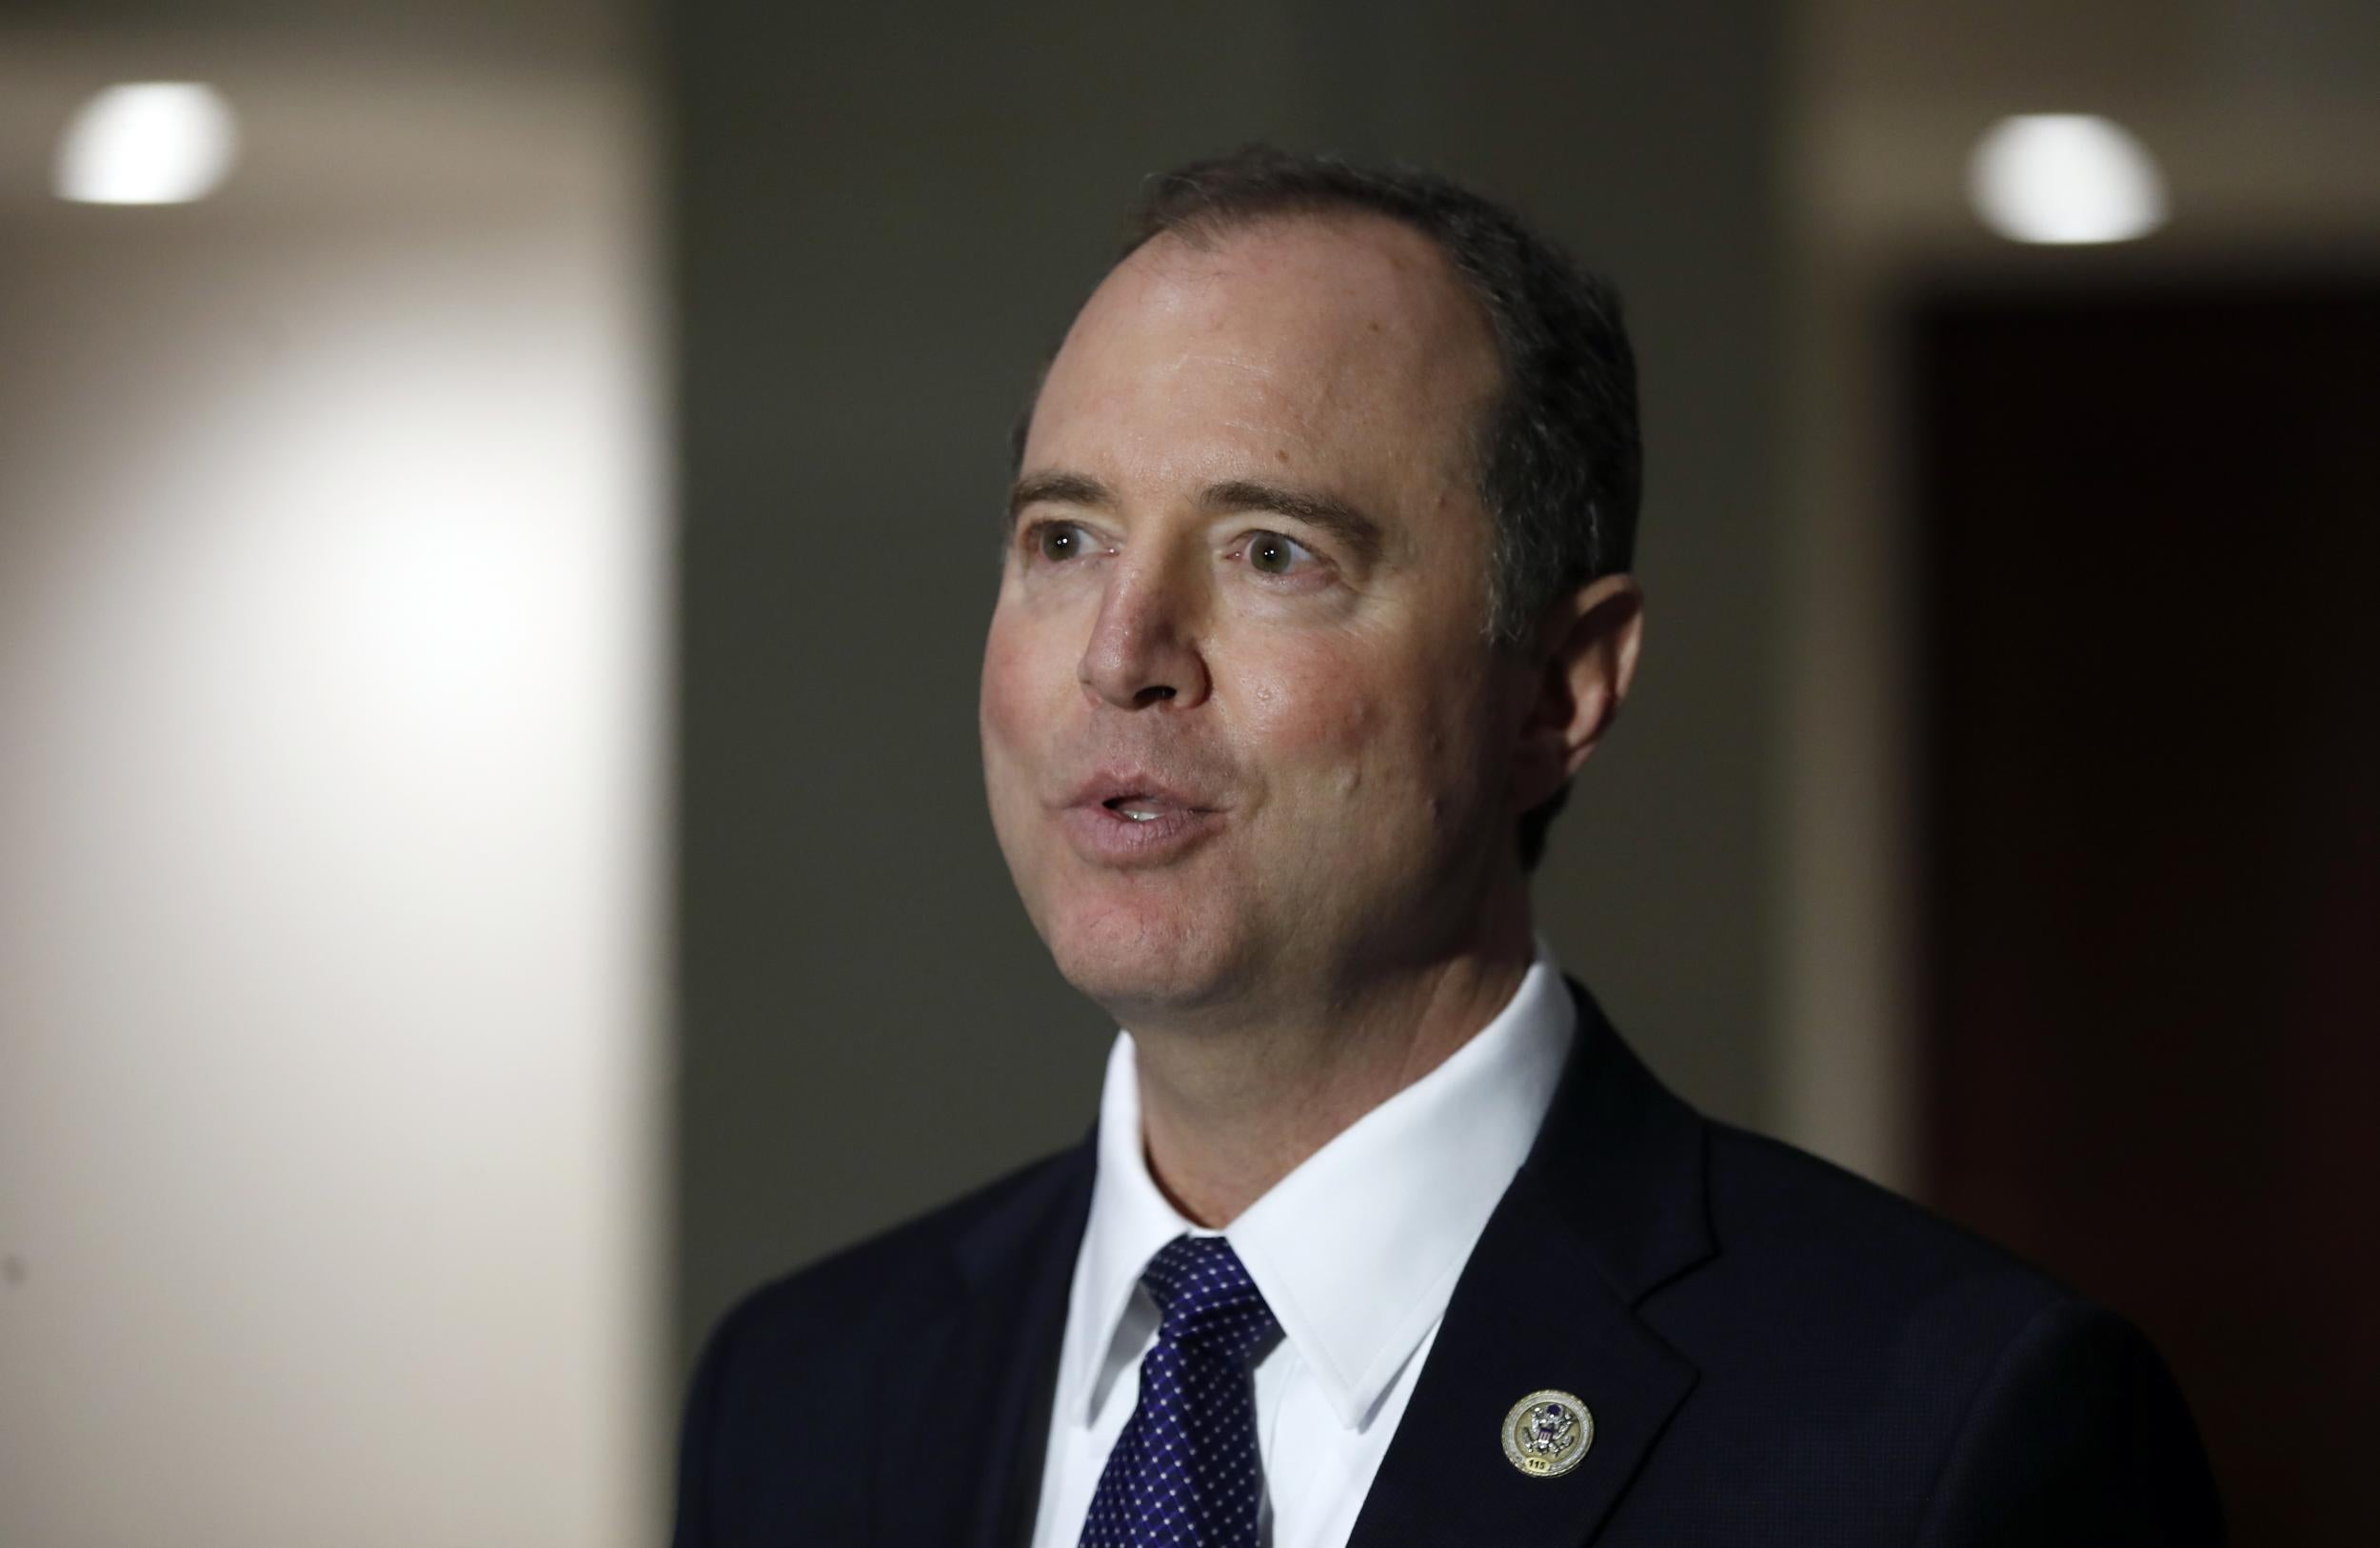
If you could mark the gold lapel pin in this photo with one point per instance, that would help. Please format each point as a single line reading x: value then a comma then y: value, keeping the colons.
x: 1547, y: 1432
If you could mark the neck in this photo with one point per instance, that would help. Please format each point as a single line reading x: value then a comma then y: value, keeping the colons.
x: 1226, y: 1116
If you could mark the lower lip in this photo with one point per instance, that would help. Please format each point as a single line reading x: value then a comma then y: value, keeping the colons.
x: 1109, y: 838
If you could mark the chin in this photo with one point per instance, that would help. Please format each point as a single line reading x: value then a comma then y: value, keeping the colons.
x: 1136, y: 957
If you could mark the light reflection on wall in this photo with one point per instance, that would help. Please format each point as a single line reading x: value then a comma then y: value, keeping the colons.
x: 2065, y: 178
x: 148, y: 142
x: 331, y: 637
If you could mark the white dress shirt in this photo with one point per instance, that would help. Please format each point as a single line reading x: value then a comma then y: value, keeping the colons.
x: 1357, y: 1253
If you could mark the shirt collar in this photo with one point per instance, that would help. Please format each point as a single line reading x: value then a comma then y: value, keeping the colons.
x: 1356, y: 1251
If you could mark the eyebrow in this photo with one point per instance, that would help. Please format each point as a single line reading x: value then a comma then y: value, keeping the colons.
x: 1359, y: 532
x: 1057, y: 488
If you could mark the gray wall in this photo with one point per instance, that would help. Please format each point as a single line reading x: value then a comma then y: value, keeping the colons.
x: 882, y: 221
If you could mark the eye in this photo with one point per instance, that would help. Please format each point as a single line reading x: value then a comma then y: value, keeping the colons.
x: 1273, y: 554
x: 1060, y: 541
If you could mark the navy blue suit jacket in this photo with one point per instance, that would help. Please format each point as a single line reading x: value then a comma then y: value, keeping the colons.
x: 1774, y: 1351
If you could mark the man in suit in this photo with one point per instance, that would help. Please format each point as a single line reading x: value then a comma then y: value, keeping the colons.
x: 1315, y: 599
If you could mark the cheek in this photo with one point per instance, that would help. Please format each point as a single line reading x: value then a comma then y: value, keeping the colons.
x: 999, y: 695
x: 1349, y: 723
x: 1026, y: 679
x: 1014, y: 712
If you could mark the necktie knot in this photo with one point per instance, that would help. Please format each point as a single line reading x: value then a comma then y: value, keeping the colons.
x: 1207, y: 1297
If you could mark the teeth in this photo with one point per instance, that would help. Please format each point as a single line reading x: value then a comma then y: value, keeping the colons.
x: 1140, y: 816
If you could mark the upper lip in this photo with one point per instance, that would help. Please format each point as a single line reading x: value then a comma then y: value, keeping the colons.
x: 1123, y: 783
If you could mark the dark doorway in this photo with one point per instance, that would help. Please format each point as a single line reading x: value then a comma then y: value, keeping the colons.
x: 2152, y: 775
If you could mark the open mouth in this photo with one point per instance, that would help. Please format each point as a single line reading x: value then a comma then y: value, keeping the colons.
x: 1139, y: 828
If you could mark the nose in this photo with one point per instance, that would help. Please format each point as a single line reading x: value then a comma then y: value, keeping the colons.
x: 1144, y: 649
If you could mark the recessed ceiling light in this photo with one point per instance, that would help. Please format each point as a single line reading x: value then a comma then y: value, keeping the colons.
x: 2065, y: 177
x: 147, y: 143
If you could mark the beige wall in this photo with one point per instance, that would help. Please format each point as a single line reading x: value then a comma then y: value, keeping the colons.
x: 331, y: 675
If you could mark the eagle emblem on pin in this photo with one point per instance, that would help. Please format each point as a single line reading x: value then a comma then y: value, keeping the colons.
x: 1547, y: 1432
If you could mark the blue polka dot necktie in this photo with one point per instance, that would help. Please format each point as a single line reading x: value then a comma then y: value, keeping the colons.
x: 1186, y: 1470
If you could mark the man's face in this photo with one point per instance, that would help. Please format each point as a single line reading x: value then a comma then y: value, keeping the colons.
x: 1245, y: 739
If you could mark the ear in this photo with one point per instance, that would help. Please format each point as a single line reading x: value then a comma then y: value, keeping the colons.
x: 1584, y: 659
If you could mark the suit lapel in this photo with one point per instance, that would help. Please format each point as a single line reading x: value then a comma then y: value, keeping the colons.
x: 1608, y: 1208
x: 980, y: 1376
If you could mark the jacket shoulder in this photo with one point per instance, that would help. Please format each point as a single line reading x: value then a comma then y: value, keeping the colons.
x: 1768, y: 1197
x: 782, y: 1374
x: 1900, y: 1369
x: 1815, y: 1263
x: 885, y: 1276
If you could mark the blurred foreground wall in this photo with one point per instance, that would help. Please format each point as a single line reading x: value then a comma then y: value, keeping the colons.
x: 330, y: 664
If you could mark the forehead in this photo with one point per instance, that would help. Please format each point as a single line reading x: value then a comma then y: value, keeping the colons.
x: 1344, y: 343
